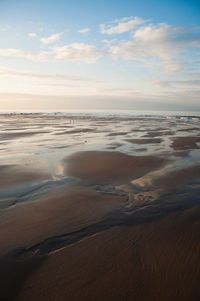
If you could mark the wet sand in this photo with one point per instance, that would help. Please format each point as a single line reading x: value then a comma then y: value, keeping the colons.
x: 81, y: 222
x: 13, y: 175
x: 154, y: 261
x: 109, y: 167
x: 145, y: 140
x: 181, y: 143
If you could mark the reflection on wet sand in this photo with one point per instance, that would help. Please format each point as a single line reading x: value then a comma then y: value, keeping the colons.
x: 13, y: 175
x: 91, y: 203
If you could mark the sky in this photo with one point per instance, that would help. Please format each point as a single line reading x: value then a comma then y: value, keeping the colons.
x: 65, y: 55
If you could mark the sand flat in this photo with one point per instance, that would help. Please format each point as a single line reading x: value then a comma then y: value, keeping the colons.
x: 99, y: 224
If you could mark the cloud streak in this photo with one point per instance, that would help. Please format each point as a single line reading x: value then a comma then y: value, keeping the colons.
x: 78, y: 52
x: 84, y: 30
x: 51, y: 39
x: 195, y: 83
x: 121, y: 26
x: 46, y: 77
x: 18, y: 53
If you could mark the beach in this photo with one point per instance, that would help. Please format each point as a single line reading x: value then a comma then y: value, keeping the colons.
x: 99, y: 207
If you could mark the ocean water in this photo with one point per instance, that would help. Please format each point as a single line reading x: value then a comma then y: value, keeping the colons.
x: 185, y: 115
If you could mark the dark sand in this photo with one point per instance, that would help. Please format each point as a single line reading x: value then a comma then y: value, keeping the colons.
x: 118, y: 134
x: 102, y: 237
x: 153, y: 261
x: 144, y: 140
x: 158, y: 134
x: 182, y: 143
x: 78, y: 131
x: 109, y: 167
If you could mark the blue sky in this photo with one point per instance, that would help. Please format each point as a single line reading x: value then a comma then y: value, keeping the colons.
x: 99, y: 54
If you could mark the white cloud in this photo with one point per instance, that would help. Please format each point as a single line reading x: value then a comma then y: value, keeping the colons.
x: 157, y: 45
x: 32, y: 35
x: 51, y: 39
x: 78, y: 52
x: 72, y: 52
x: 160, y: 46
x: 18, y: 53
x: 84, y: 30
x: 121, y: 26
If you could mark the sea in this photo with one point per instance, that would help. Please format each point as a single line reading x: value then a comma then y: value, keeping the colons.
x: 183, y: 115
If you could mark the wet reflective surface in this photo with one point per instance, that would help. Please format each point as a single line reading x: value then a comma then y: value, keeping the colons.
x: 32, y: 146
x: 127, y: 185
